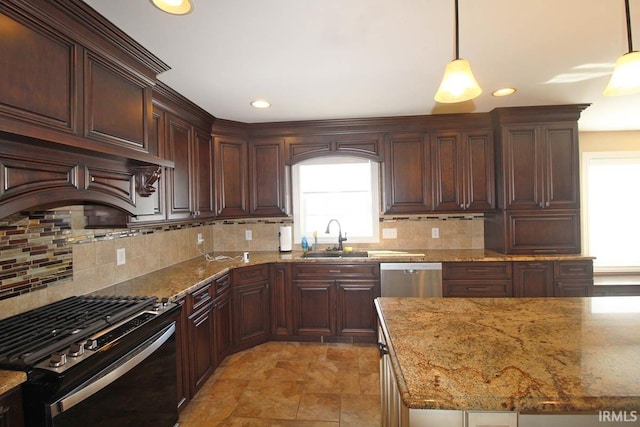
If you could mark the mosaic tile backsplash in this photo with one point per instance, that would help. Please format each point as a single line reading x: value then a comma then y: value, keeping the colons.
x: 34, y: 251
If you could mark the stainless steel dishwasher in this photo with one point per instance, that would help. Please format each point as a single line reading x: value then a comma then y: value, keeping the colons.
x: 411, y: 279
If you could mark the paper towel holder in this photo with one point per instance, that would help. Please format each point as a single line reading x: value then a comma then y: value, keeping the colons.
x: 285, y: 240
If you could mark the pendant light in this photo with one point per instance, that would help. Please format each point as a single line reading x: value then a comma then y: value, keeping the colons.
x: 458, y: 83
x: 625, y: 79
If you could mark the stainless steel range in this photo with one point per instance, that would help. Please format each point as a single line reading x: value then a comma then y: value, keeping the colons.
x: 101, y: 361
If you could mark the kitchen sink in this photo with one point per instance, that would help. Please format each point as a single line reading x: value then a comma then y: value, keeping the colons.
x: 335, y: 254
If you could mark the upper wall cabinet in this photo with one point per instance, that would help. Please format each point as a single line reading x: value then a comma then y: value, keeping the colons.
x: 407, y: 171
x: 358, y: 144
x: 71, y: 78
x: 462, y: 171
x: 267, y: 177
x: 232, y: 177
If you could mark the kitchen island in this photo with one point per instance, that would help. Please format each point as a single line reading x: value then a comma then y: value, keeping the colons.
x: 532, y: 357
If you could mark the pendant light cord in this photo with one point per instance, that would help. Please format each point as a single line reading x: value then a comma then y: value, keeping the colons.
x: 458, y: 36
x: 629, y: 38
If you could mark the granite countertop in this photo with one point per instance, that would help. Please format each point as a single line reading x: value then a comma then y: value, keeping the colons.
x: 10, y: 380
x: 531, y: 355
x: 175, y: 281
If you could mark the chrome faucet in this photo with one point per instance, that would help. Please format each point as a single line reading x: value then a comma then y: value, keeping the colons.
x: 340, y: 238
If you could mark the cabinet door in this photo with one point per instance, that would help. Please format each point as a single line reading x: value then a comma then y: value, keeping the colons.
x: 201, y: 336
x: 231, y: 177
x: 549, y: 231
x: 533, y: 279
x: 267, y: 177
x: 280, y: 298
x: 522, y: 164
x: 251, y: 314
x: 223, y: 320
x: 573, y: 288
x: 356, y: 315
x: 407, y: 174
x: 561, y: 166
x: 183, y: 353
x: 314, y: 307
x: 180, y: 151
x: 203, y: 173
x: 478, y: 169
x: 447, y: 174
x: 11, y: 413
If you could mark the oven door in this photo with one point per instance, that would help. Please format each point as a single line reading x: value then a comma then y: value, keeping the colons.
x: 139, y: 389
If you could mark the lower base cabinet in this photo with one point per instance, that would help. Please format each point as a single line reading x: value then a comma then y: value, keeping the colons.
x: 11, y: 409
x: 251, y: 306
x: 533, y: 279
x: 355, y: 316
x: 201, y: 338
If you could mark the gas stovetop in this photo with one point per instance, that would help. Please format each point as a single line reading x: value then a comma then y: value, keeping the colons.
x: 27, y: 338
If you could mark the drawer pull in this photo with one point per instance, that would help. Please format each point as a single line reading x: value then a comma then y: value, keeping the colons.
x: 477, y: 288
x: 335, y: 271
x: 576, y: 269
x: 476, y: 270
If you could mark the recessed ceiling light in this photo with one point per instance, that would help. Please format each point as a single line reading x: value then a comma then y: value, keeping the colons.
x: 260, y: 103
x: 504, y: 91
x: 174, y: 7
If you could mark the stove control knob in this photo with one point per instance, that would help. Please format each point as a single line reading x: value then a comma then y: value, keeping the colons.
x: 58, y: 359
x: 164, y: 302
x: 76, y: 349
x: 91, y: 344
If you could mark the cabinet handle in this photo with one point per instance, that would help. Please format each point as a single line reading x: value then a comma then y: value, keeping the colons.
x: 461, y: 205
x: 477, y: 288
x: 3, y: 410
x: 335, y: 271
x: 476, y: 270
x: 548, y: 204
x: 382, y: 348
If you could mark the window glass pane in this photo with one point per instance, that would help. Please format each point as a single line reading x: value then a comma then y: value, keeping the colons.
x: 612, y: 209
x: 339, y: 188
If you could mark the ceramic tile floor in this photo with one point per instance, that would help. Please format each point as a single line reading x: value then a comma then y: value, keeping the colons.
x: 291, y: 384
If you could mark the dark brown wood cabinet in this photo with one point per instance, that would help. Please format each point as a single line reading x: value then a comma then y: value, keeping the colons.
x: 11, y: 414
x: 477, y: 279
x: 462, y: 171
x: 407, y: 173
x: 281, y: 301
x: 533, y: 279
x: 573, y: 278
x: 201, y: 336
x: 231, y: 176
x: 223, y: 317
x: 251, y: 305
x: 74, y: 79
x: 183, y: 356
x: 267, y: 177
x: 335, y: 300
x: 537, y: 181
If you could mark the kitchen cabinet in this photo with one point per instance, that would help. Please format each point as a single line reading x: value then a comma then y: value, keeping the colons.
x: 201, y: 337
x: 11, y: 409
x: 231, y: 176
x: 462, y: 171
x: 267, y: 177
x: 222, y: 317
x: 335, y: 300
x: 72, y: 78
x: 407, y: 173
x: 251, y: 301
x: 358, y: 144
x: 573, y: 278
x: 280, y: 301
x: 533, y: 279
x: 537, y: 174
x: 477, y: 279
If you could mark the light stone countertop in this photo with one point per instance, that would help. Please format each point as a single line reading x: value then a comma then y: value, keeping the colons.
x: 10, y: 380
x: 531, y: 355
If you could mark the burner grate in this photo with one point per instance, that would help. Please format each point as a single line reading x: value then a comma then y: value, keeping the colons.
x: 31, y: 336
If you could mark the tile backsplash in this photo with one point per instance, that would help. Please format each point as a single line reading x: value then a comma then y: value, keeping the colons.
x: 49, y: 255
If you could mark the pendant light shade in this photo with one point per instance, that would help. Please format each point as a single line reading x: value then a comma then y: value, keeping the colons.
x: 458, y: 83
x: 625, y: 79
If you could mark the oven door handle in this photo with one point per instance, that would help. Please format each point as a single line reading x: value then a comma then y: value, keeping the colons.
x: 92, y: 387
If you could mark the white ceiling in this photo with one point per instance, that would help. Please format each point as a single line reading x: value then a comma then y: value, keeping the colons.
x: 325, y: 59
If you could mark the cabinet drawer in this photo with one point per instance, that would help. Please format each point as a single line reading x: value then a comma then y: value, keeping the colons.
x: 221, y: 285
x: 257, y: 273
x: 474, y: 270
x: 199, y: 297
x: 573, y: 269
x: 490, y: 289
x: 320, y: 271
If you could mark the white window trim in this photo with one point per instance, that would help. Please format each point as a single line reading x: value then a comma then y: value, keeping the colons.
x: 587, y: 157
x: 324, y: 239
